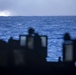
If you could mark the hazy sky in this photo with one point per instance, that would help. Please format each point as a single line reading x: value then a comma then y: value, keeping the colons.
x: 38, y: 7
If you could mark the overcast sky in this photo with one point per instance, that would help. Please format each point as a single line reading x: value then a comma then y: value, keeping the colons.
x: 39, y: 7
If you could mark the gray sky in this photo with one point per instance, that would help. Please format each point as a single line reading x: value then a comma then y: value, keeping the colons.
x: 39, y: 7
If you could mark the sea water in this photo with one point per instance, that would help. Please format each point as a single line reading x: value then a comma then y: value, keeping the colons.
x: 53, y: 26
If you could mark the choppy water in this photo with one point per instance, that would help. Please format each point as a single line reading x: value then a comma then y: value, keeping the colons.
x: 52, y: 26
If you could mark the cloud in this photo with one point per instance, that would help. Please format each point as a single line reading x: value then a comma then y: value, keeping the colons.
x: 5, y: 13
x: 39, y: 7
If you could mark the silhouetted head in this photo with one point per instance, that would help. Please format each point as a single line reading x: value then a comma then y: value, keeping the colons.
x: 59, y: 60
x: 67, y: 36
x: 31, y: 31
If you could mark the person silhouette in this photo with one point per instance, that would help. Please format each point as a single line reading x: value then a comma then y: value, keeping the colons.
x: 59, y: 60
x: 30, y: 39
x: 31, y: 32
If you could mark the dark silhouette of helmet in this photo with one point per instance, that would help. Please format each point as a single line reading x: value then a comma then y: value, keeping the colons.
x: 31, y: 31
x: 67, y: 36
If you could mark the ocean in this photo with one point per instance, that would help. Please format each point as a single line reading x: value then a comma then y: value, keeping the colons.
x: 53, y: 26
